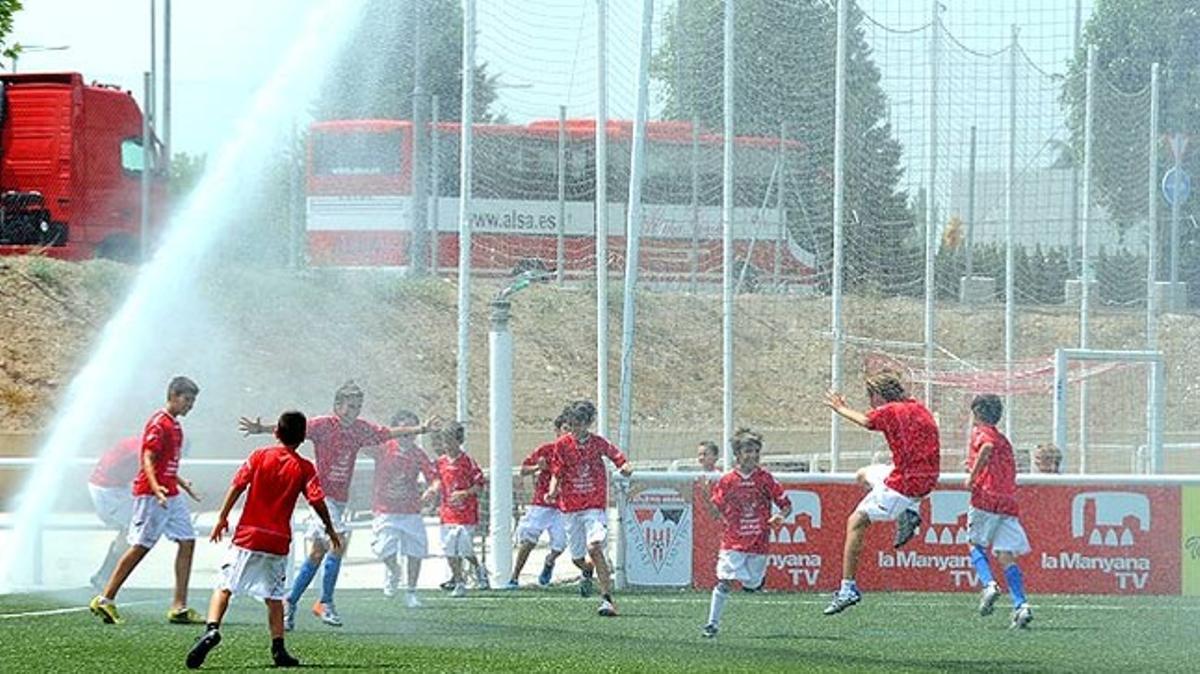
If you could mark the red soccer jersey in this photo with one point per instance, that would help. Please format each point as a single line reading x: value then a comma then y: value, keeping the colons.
x: 162, y: 439
x: 541, y: 483
x: 275, y: 476
x: 912, y: 435
x: 397, y: 469
x: 996, y: 485
x: 582, y: 480
x: 457, y: 475
x: 745, y: 505
x: 118, y: 466
x: 336, y: 447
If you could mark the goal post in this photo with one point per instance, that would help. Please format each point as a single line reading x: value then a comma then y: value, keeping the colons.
x: 1155, y: 395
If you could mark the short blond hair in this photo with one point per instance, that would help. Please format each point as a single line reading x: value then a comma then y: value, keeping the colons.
x: 886, y: 384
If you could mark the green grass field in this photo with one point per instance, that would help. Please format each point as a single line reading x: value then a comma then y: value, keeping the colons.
x: 555, y: 630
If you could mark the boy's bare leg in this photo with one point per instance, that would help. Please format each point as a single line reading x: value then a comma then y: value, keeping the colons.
x: 583, y: 564
x: 219, y: 603
x: 393, y: 567
x: 129, y: 561
x: 522, y: 557
x: 456, y: 569
x: 856, y: 528
x: 183, y: 573
x: 274, y: 617
x: 603, y: 574
x: 414, y: 572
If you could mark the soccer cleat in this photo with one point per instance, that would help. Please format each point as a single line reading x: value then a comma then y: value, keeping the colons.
x: 607, y: 609
x: 1021, y: 617
x: 106, y: 610
x: 184, y: 616
x: 842, y: 601
x: 512, y: 585
x: 710, y: 630
x: 460, y: 590
x: 327, y: 613
x: 448, y: 585
x: 987, y: 599
x: 906, y: 527
x: 481, y: 579
x: 585, y: 586
x: 282, y: 658
x: 546, y: 576
x: 289, y: 616
x: 411, y: 601
x: 204, y: 644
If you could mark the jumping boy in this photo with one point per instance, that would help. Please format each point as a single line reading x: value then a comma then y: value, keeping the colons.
x: 256, y: 563
x: 461, y: 481
x: 992, y: 515
x: 742, y: 498
x: 579, y: 484
x: 110, y: 487
x: 398, y: 528
x: 912, y: 435
x: 158, y: 508
x: 542, y: 515
x: 337, y: 439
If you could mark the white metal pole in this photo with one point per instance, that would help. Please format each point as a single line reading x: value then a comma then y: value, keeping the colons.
x: 417, y: 206
x: 464, y: 210
x: 839, y: 205
x: 727, y: 197
x: 1085, y: 255
x: 435, y: 181
x: 781, y: 224
x: 560, y: 253
x: 602, y: 216
x: 695, y: 162
x: 1060, y: 399
x: 500, y: 497
x: 147, y: 166
x: 152, y: 103
x: 1010, y: 215
x: 1152, y: 275
x: 1157, y: 422
x: 1077, y: 30
x: 166, y: 85
x: 931, y: 200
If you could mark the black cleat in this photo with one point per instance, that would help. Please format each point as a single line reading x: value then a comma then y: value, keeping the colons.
x: 204, y: 644
x: 906, y: 527
x: 282, y: 658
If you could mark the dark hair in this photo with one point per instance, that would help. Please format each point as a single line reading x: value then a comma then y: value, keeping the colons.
x: 182, y: 386
x: 987, y: 407
x: 405, y: 418
x: 710, y: 447
x: 347, y: 391
x: 743, y: 439
x: 560, y: 421
x: 454, y: 431
x: 886, y: 384
x: 291, y: 428
x: 581, y: 411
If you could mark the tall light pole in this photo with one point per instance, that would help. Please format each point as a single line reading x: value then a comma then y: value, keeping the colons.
x: 20, y: 49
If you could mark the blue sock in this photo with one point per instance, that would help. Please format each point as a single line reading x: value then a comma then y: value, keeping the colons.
x: 333, y: 565
x: 1016, y: 584
x: 979, y: 558
x: 307, y: 571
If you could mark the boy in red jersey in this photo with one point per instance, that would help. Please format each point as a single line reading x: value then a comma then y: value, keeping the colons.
x: 256, y: 563
x: 743, y: 498
x: 158, y: 508
x: 579, y: 484
x: 398, y: 528
x: 542, y: 515
x: 337, y: 439
x: 912, y: 435
x: 110, y: 488
x: 461, y: 481
x: 992, y: 516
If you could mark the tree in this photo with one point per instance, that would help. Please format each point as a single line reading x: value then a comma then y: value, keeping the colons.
x: 784, y: 74
x: 7, y: 9
x: 185, y: 172
x: 373, y: 76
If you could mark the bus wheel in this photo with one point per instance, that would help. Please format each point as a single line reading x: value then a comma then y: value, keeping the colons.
x: 118, y: 248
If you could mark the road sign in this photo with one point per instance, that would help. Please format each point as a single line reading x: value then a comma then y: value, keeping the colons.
x: 1177, y: 184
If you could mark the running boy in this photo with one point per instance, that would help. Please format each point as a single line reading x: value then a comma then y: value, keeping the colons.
x: 158, y: 508
x: 542, y: 515
x: 256, y: 563
x: 992, y: 515
x: 912, y: 435
x: 579, y: 484
x: 743, y: 498
x: 337, y: 439
x: 398, y: 528
x: 110, y: 487
x: 461, y: 482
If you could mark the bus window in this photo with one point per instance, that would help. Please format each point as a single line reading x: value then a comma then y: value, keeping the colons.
x: 358, y: 153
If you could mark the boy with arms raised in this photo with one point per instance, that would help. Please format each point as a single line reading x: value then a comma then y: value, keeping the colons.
x: 256, y: 563
x: 742, y: 498
x: 992, y: 515
x: 912, y: 435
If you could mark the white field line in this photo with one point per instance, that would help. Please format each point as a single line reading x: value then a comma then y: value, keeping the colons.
x: 61, y: 611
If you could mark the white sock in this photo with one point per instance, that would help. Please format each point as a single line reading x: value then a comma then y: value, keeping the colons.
x: 719, y: 597
x: 848, y: 585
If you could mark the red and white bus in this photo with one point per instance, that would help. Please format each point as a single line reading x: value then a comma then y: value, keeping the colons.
x: 359, y: 187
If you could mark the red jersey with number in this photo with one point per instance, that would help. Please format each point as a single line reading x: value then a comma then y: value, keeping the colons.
x: 336, y: 445
x: 118, y: 466
x: 456, y: 475
x: 582, y: 479
x: 274, y: 478
x: 162, y: 439
x: 541, y: 483
x: 398, y: 469
x: 745, y: 505
x: 995, y: 487
x: 912, y: 435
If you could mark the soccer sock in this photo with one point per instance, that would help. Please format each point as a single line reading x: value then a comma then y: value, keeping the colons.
x: 1016, y: 584
x: 333, y: 566
x: 277, y: 644
x: 212, y: 627
x: 308, y: 570
x: 720, y: 595
x: 979, y: 558
x: 606, y: 597
x: 848, y: 585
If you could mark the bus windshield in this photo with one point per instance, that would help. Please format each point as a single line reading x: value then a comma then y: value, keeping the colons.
x: 358, y: 153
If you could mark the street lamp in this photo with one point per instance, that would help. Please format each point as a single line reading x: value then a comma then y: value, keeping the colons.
x: 19, y: 49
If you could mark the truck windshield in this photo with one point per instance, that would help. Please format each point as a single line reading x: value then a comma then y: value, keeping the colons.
x: 358, y: 153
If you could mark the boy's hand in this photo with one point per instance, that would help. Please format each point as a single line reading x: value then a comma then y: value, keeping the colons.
x: 250, y: 426
x: 186, y: 486
x: 834, y: 400
x: 459, y: 496
x: 543, y: 465
x: 775, y: 520
x: 160, y: 495
x: 969, y: 483
x: 432, y: 424
x: 335, y: 541
x: 219, y: 529
x: 552, y: 496
x: 626, y: 469
x: 429, y: 494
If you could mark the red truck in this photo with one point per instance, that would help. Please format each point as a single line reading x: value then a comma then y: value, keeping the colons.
x: 71, y: 168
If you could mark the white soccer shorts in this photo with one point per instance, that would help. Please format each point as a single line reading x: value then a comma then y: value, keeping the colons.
x: 1003, y: 532
x: 403, y: 534
x: 339, y: 514
x: 252, y: 573
x: 882, y: 503
x: 543, y: 518
x: 150, y: 521
x: 458, y: 540
x: 586, y: 528
x: 114, y: 505
x: 747, y: 568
